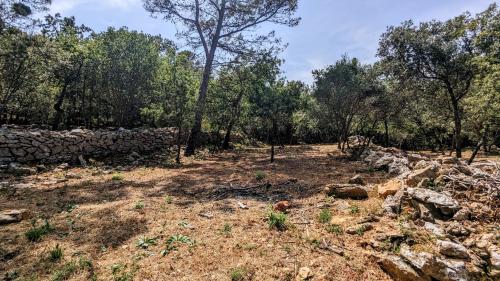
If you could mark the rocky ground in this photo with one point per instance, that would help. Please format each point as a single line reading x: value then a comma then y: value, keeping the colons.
x: 313, y: 215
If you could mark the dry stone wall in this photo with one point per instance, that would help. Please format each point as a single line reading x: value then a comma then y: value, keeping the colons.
x: 43, y: 146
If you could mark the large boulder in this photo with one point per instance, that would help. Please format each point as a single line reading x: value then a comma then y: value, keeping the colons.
x: 354, y: 191
x: 441, y: 205
x: 494, y: 253
x: 417, y: 176
x: 389, y: 188
x: 434, y: 267
x: 12, y: 216
x: 398, y: 269
x: 453, y: 250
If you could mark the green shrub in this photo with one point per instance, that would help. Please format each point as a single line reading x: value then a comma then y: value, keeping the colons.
x: 139, y: 205
x: 334, y: 228
x: 56, y: 254
x: 168, y: 199
x: 277, y: 220
x: 35, y: 234
x: 260, y: 175
x: 238, y: 274
x: 354, y: 209
x: 145, y: 242
x: 174, y: 240
x: 325, y: 216
x: 227, y: 228
x: 117, y: 177
x: 120, y: 272
x: 65, y: 272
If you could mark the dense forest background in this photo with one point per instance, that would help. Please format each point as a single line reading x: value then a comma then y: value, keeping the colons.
x: 436, y: 84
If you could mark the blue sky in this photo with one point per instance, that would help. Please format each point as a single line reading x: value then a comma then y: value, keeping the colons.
x: 329, y: 28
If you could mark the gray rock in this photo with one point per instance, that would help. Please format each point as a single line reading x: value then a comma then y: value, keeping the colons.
x: 453, y: 250
x: 435, y: 267
x: 13, y: 216
x: 435, y: 201
x: 457, y: 229
x: 398, y: 269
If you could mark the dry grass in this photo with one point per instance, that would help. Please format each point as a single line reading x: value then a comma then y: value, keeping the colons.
x: 96, y: 218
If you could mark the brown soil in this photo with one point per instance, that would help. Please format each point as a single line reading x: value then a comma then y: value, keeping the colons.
x: 101, y: 219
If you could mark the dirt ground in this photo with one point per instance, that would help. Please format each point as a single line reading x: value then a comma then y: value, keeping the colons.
x: 98, y: 217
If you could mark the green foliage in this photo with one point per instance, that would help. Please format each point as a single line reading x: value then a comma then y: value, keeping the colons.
x: 354, y: 209
x: 139, y: 205
x: 35, y: 234
x: 56, y: 254
x: 174, y: 241
x: 169, y: 199
x: 334, y: 228
x: 121, y: 272
x: 277, y: 220
x: 145, y: 242
x: 238, y: 274
x: 117, y: 177
x: 65, y: 272
x: 325, y: 216
x: 227, y: 228
x: 260, y: 175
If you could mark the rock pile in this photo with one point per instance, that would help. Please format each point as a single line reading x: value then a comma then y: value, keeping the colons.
x: 43, y: 146
x: 455, y: 203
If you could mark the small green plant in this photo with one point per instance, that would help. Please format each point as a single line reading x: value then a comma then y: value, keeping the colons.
x: 35, y: 234
x: 227, y: 228
x: 169, y: 199
x: 139, y: 205
x: 334, y: 228
x: 145, y: 242
x: 56, y: 254
x: 117, y: 177
x: 65, y: 272
x: 120, y: 272
x: 354, y: 209
x: 277, y: 220
x: 260, y: 175
x: 174, y: 240
x: 325, y: 216
x: 71, y: 207
x: 361, y: 230
x: 238, y: 274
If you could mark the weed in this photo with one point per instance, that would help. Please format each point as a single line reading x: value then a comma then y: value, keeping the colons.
x: 117, y: 177
x: 325, y: 216
x: 120, y: 272
x: 139, y: 205
x: 334, y: 228
x: 238, y: 274
x: 260, y: 175
x: 176, y: 239
x: 227, y: 228
x: 169, y: 199
x: 35, y: 234
x: 65, y: 272
x: 315, y: 242
x: 277, y: 220
x: 361, y: 230
x: 145, y: 242
x: 56, y: 254
x: 71, y: 207
x: 354, y: 209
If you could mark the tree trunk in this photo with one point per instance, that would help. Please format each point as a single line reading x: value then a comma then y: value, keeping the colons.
x: 273, y: 136
x: 227, y: 137
x: 200, y: 107
x: 476, y: 150
x: 58, y: 108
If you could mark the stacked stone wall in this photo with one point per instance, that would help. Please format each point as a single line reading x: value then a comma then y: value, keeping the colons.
x: 44, y: 146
